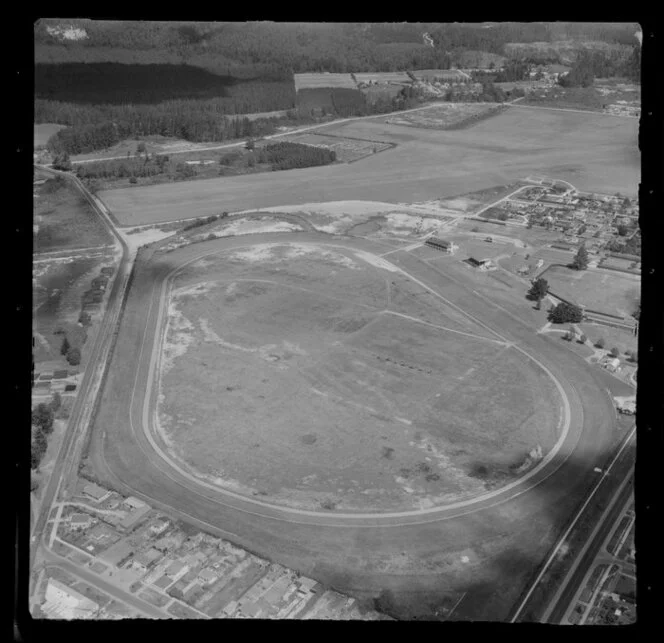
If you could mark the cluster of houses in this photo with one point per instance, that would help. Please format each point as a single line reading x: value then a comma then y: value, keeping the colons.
x: 195, y: 574
x: 591, y: 219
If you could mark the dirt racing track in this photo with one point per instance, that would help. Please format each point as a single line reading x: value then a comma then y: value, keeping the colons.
x: 481, y: 550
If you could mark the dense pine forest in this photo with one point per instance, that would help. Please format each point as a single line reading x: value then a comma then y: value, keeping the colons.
x: 112, y: 80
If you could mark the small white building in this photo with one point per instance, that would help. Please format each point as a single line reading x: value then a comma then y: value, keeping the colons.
x: 612, y: 364
x: 62, y: 602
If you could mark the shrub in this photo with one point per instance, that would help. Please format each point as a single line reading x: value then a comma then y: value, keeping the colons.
x: 74, y: 356
x: 615, y: 352
x: 600, y: 343
x: 133, y: 179
x: 583, y: 339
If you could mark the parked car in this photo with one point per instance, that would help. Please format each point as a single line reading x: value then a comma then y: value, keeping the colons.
x: 489, y: 239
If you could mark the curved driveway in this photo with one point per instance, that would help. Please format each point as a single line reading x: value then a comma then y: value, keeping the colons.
x: 359, y: 552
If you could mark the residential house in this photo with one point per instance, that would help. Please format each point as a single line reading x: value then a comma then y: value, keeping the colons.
x: 80, y: 521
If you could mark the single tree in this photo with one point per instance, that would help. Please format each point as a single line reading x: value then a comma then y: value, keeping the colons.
x: 615, y: 352
x: 580, y: 261
x: 64, y: 349
x: 74, y: 356
x: 600, y: 343
x: 42, y: 416
x: 634, y: 356
x: 250, y: 145
x: 583, y: 339
x: 140, y: 148
x: 569, y: 336
x: 539, y: 289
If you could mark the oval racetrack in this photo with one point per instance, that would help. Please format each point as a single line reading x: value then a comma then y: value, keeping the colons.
x: 488, y: 544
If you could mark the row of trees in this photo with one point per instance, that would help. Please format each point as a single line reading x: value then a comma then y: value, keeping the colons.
x: 43, y: 417
x: 189, y: 120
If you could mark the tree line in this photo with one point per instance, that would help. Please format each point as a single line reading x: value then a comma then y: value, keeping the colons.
x: 42, y: 420
x: 591, y: 64
x: 189, y: 120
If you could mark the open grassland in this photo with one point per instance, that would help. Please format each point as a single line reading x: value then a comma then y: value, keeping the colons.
x: 64, y: 219
x: 606, y: 292
x: 314, y: 81
x: 326, y: 400
x: 594, y: 152
x: 44, y: 131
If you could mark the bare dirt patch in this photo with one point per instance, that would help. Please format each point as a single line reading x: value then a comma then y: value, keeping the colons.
x: 444, y: 116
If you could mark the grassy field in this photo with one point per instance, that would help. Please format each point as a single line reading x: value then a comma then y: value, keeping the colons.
x: 383, y: 77
x: 607, y: 292
x: 443, y: 116
x: 326, y: 401
x: 65, y: 219
x: 44, y: 131
x: 623, y: 340
x: 314, y: 81
x: 596, y: 153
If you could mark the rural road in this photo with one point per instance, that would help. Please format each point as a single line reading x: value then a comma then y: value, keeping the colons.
x: 351, y: 552
x: 301, y: 130
x: 68, y: 457
x: 272, y: 136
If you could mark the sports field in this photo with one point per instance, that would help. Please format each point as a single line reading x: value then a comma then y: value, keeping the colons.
x: 594, y: 152
x: 317, y: 380
x: 606, y: 292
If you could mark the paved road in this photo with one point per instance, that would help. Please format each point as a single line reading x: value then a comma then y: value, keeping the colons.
x: 68, y: 456
x: 355, y: 554
x: 138, y: 604
x: 563, y: 598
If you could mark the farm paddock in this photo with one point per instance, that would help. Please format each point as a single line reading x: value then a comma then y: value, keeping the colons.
x: 608, y: 292
x: 64, y: 219
x: 341, y: 387
x: 426, y: 165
